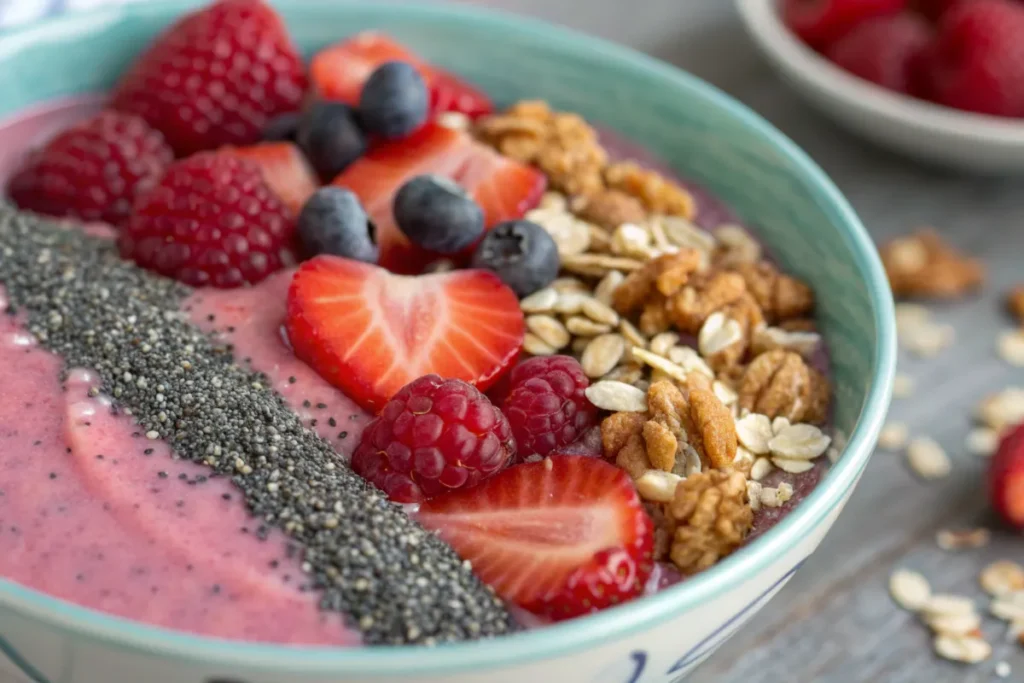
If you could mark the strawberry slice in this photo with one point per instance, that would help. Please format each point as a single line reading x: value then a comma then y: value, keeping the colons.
x: 505, y: 188
x: 370, y: 332
x: 563, y: 536
x: 339, y: 72
x: 285, y: 169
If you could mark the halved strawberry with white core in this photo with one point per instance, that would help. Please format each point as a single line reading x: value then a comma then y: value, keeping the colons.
x: 338, y: 72
x: 370, y: 332
x: 551, y: 535
x: 285, y: 169
x: 504, y: 188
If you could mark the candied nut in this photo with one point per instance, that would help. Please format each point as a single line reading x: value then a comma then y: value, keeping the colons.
x: 702, y: 296
x: 657, y: 193
x: 664, y: 274
x: 661, y: 445
x: 561, y: 144
x: 1015, y: 302
x: 780, y: 297
x: 820, y: 399
x: 776, y: 384
x: 713, y: 516
x: 610, y: 209
x: 923, y: 265
x: 736, y: 247
x: 715, y: 430
x: 622, y: 439
x: 655, y: 317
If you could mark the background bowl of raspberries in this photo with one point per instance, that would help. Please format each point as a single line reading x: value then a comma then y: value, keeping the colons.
x: 938, y: 80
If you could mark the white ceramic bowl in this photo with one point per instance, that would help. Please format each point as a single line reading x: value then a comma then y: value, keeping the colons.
x: 920, y: 129
x: 707, y: 136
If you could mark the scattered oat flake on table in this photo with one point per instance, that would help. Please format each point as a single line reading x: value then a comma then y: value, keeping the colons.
x: 902, y: 385
x: 948, y: 605
x: 955, y: 625
x: 1002, y: 578
x: 909, y: 589
x: 982, y: 441
x: 1008, y: 607
x: 966, y: 649
x: 963, y: 539
x: 893, y: 436
x: 1011, y: 347
x: 1003, y: 670
x: 928, y: 459
x: 1003, y: 409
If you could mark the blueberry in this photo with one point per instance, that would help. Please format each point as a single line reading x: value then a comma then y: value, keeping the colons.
x: 334, y: 222
x: 436, y: 214
x: 330, y: 137
x: 282, y: 128
x: 394, y: 101
x: 521, y: 253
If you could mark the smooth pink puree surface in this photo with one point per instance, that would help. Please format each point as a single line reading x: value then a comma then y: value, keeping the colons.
x: 93, y: 512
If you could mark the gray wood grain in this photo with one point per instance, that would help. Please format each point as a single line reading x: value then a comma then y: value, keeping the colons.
x: 835, y: 622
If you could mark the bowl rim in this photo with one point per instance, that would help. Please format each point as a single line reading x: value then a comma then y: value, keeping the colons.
x: 571, y: 636
x: 765, y: 25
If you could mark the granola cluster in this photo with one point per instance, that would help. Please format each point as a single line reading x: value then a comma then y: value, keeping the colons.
x: 568, y: 150
x: 686, y: 333
x: 922, y: 265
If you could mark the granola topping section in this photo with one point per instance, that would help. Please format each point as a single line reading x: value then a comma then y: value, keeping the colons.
x: 700, y: 349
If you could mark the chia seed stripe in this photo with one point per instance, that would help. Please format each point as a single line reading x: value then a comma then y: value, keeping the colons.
x: 393, y: 580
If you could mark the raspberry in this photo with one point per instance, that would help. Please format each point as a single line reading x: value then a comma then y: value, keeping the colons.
x: 976, y: 62
x: 546, y: 405
x: 211, y: 220
x: 884, y: 50
x: 216, y: 77
x: 434, y: 436
x: 94, y: 170
x: 820, y: 22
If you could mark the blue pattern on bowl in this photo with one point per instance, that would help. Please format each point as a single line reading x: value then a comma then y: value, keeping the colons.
x: 701, y: 132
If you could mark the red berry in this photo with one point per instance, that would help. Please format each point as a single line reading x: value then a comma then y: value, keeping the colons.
x: 546, y: 405
x: 370, y: 332
x: 561, y: 536
x: 820, y: 22
x: 434, y: 436
x: 285, y: 169
x: 338, y: 72
x: 211, y: 220
x: 216, y: 77
x: 612, y: 577
x: 1006, y: 478
x: 976, y: 62
x: 504, y: 188
x: 885, y: 50
x: 94, y: 170
x: 933, y: 9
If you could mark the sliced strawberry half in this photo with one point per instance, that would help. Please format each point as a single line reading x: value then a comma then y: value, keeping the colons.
x: 285, y: 169
x: 563, y: 536
x: 504, y: 188
x: 370, y: 332
x: 339, y: 72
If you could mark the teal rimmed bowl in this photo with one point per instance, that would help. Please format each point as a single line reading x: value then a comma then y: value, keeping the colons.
x: 706, y: 136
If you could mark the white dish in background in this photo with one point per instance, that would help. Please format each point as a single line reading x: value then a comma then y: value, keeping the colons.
x: 952, y: 138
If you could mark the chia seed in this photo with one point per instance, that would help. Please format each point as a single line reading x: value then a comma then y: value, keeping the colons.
x: 84, y: 303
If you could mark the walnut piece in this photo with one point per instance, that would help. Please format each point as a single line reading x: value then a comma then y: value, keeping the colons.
x: 674, y: 422
x: 703, y: 295
x: 712, y: 515
x: 780, y: 296
x: 779, y: 383
x: 922, y: 265
x: 610, y: 209
x: 561, y: 144
x: 663, y: 275
x: 1015, y: 302
x: 659, y: 194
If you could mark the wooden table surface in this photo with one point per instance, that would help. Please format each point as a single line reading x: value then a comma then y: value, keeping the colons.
x: 835, y: 622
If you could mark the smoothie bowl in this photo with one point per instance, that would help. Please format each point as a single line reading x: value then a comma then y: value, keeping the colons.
x: 407, y: 343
